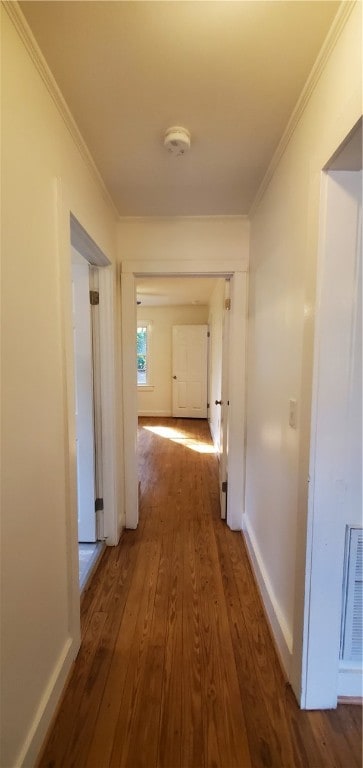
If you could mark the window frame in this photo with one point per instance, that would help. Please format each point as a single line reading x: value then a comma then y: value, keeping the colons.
x: 147, y: 386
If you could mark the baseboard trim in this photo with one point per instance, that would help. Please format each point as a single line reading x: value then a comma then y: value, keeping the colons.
x: 166, y: 414
x: 31, y: 750
x: 350, y: 684
x: 280, y: 633
x: 356, y: 700
x: 214, y: 437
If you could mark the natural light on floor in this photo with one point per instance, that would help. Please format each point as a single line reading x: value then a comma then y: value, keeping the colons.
x: 178, y: 437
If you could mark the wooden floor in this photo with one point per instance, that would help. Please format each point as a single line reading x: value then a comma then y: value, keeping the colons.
x: 177, y: 667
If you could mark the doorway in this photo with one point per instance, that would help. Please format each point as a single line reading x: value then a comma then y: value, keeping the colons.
x: 335, y: 499
x: 89, y: 351
x: 85, y: 373
x: 181, y: 335
x: 236, y: 374
x: 87, y: 413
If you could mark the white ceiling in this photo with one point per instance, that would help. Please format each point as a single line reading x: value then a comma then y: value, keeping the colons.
x: 176, y: 291
x: 231, y: 72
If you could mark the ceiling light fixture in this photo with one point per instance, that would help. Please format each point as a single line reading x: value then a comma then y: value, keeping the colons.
x: 177, y: 140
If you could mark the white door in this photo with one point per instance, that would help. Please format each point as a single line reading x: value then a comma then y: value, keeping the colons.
x: 82, y: 335
x: 224, y: 404
x: 190, y: 356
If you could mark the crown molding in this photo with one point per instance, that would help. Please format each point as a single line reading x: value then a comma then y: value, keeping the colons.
x: 329, y: 44
x: 21, y: 25
x: 196, y: 217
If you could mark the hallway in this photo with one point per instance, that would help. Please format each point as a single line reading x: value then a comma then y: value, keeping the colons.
x: 177, y: 667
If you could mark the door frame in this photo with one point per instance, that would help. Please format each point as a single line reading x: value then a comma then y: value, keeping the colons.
x: 224, y: 420
x: 327, y: 515
x: 88, y: 440
x: 71, y: 232
x: 224, y: 268
x: 105, y: 421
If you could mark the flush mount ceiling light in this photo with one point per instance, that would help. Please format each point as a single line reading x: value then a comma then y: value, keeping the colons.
x: 177, y: 140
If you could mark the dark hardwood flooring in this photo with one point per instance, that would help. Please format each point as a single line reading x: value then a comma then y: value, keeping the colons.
x: 177, y: 668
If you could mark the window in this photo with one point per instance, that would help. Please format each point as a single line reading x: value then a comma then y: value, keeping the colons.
x: 143, y: 354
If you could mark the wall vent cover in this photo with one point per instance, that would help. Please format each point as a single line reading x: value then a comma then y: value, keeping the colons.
x: 351, y: 642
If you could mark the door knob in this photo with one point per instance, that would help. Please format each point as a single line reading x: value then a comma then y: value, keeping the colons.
x: 218, y: 402
x: 174, y: 377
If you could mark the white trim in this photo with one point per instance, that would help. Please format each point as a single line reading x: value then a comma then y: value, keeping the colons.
x: 191, y: 267
x: 326, y: 500
x: 87, y: 247
x: 279, y: 627
x: 108, y: 406
x: 350, y: 682
x: 84, y: 244
x: 49, y: 700
x: 219, y: 217
x: 63, y: 265
x: 145, y: 388
x: 214, y: 435
x: 21, y: 25
x: 236, y: 459
x: 329, y: 44
x: 129, y: 390
x: 165, y: 414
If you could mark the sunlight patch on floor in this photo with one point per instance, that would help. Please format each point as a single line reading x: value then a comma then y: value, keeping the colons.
x: 182, y: 439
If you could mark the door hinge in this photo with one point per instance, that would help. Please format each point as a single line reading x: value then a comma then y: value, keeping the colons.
x: 224, y: 486
x: 208, y: 334
x: 208, y: 405
x: 94, y: 298
x: 98, y: 505
x: 227, y: 304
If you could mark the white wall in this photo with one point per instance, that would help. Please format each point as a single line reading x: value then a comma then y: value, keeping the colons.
x: 284, y: 245
x: 39, y: 618
x: 190, y: 239
x: 158, y: 401
x: 216, y: 246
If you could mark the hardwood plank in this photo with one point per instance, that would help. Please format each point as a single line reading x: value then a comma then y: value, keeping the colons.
x: 177, y: 668
x: 102, y: 741
x: 265, y: 746
x: 69, y: 742
x: 132, y: 694
x: 169, y: 746
x: 192, y: 747
x: 225, y: 732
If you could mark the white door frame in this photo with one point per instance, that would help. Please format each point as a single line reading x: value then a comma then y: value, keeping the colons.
x: 70, y: 231
x: 328, y: 512
x: 237, y: 272
x: 86, y: 377
x: 224, y: 420
x: 107, y: 446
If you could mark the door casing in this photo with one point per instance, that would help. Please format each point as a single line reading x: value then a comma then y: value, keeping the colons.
x: 237, y: 274
x: 85, y: 377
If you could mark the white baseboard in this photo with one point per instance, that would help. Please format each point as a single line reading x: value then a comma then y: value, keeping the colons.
x: 155, y: 413
x: 280, y: 631
x: 350, y: 682
x: 214, y: 437
x: 47, y: 707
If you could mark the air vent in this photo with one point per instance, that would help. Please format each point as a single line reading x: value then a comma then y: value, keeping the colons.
x: 351, y: 646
